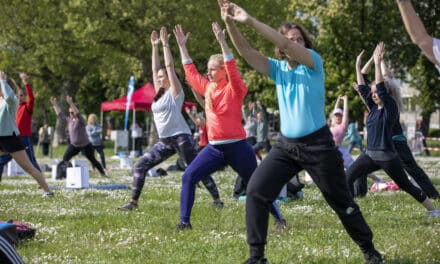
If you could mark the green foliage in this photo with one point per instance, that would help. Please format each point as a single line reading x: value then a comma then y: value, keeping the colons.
x: 89, y: 49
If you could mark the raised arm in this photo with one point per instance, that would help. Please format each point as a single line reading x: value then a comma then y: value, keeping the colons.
x: 181, y: 39
x: 31, y: 99
x: 345, y: 113
x: 378, y: 57
x: 197, y: 81
x: 294, y: 51
x: 367, y: 66
x: 155, y: 63
x: 7, y: 92
x: 416, y: 30
x: 69, y: 101
x: 359, y: 77
x: 257, y: 60
x: 54, y: 103
x: 199, y: 98
x: 176, y: 86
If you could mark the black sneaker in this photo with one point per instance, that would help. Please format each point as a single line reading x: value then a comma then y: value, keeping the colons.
x: 218, y: 204
x: 373, y: 257
x: 256, y: 261
x: 280, y: 224
x: 128, y: 206
x: 48, y: 195
x: 183, y: 226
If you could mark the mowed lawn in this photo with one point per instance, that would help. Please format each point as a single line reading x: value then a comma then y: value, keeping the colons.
x: 84, y: 226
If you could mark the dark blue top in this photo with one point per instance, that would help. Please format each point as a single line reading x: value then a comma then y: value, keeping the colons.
x: 380, y: 122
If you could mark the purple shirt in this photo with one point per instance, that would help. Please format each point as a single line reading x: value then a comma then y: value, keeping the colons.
x: 77, y: 129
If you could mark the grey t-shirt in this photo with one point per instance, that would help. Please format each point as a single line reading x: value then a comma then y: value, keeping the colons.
x: 168, y: 115
x: 77, y: 129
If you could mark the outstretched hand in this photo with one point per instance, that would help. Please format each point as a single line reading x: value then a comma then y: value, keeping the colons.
x: 230, y: 10
x: 378, y: 52
x: 154, y: 38
x: 3, y: 75
x: 359, y: 59
x: 53, y: 100
x: 24, y: 78
x: 69, y: 100
x: 164, y: 37
x: 218, y: 31
x: 181, y: 38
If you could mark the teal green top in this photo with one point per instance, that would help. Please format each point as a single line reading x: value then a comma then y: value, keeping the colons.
x: 8, y: 110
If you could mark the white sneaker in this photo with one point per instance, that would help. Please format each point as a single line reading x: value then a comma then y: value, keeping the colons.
x: 434, y: 213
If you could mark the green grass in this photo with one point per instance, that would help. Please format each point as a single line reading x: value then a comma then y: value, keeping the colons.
x: 84, y: 226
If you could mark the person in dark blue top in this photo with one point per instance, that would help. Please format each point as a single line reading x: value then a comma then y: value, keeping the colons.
x: 400, y: 142
x: 381, y: 153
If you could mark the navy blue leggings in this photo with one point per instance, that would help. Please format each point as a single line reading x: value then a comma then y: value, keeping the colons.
x: 239, y: 155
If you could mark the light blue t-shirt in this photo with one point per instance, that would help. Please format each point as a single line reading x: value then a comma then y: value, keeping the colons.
x: 301, y: 96
x: 8, y: 110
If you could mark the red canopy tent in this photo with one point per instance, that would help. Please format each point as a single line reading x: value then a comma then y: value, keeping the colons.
x: 141, y: 100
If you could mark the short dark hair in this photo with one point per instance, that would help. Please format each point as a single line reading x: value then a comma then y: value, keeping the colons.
x: 284, y: 28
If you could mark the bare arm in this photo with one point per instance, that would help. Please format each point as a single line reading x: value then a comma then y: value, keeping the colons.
x: 176, y: 86
x: 415, y: 28
x: 199, y: 98
x: 55, y: 105
x: 367, y: 66
x: 72, y: 105
x: 155, y: 64
x: 257, y: 60
x: 181, y: 39
x: 378, y: 57
x: 294, y: 51
x: 359, y: 77
x: 345, y: 113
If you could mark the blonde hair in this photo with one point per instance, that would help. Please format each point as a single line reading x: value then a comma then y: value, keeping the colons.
x: 217, y: 59
x: 90, y: 119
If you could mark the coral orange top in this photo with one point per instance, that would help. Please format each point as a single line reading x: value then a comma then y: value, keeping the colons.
x: 223, y: 119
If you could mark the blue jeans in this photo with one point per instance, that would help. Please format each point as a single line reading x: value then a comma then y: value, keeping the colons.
x: 29, y: 147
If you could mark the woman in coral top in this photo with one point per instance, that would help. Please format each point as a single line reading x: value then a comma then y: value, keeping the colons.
x: 224, y: 91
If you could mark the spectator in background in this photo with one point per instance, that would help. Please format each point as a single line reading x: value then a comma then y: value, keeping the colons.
x: 94, y: 132
x: 420, y: 127
x: 355, y: 140
x: 262, y: 134
x: 44, y: 138
x: 136, y: 135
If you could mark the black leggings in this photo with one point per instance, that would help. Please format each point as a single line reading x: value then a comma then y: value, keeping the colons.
x: 317, y: 154
x: 410, y: 165
x: 364, y: 165
x: 87, y: 151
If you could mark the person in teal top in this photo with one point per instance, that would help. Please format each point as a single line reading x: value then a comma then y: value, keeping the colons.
x: 9, y: 134
x: 305, y: 141
x: 354, y: 138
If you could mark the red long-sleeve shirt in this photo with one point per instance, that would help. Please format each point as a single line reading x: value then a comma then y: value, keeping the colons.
x: 24, y: 114
x: 223, y: 119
